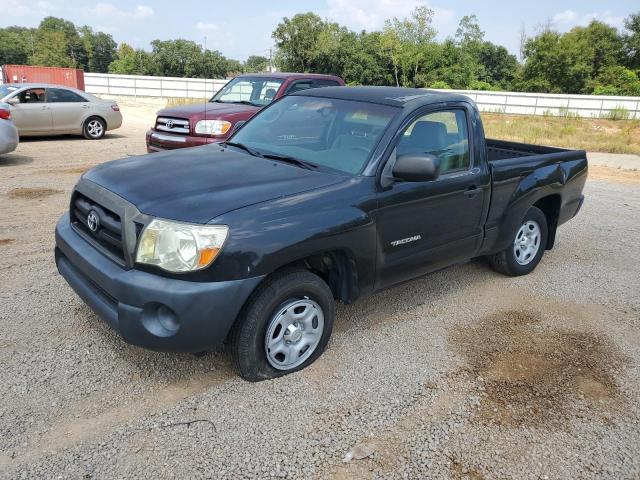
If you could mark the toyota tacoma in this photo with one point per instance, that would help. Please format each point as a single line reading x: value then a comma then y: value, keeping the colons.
x: 327, y: 194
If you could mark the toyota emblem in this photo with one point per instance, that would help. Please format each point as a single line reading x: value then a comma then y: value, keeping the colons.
x: 93, y: 221
x: 169, y: 124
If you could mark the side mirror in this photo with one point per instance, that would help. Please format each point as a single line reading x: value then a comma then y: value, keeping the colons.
x: 13, y: 101
x: 416, y: 167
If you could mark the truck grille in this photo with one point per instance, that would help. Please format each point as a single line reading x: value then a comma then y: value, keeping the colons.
x: 173, y: 125
x: 105, y: 233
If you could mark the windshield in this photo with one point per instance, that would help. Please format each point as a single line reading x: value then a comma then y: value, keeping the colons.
x: 6, y: 90
x: 257, y: 91
x: 339, y: 134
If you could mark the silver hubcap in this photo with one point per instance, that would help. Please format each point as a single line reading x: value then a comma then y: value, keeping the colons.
x: 293, y: 333
x: 94, y: 127
x: 527, y: 242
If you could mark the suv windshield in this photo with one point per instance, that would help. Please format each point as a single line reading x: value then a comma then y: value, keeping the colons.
x: 259, y: 91
x: 324, y: 132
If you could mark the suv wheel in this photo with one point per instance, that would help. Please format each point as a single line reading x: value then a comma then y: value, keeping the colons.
x: 284, y: 326
x: 94, y: 128
x: 527, y: 247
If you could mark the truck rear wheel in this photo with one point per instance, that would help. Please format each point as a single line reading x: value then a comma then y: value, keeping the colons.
x: 285, y: 326
x: 527, y: 247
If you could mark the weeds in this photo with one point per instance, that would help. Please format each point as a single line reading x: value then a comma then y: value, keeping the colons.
x: 596, y: 135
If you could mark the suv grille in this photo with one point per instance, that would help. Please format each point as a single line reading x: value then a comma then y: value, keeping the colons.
x: 107, y: 235
x: 173, y: 125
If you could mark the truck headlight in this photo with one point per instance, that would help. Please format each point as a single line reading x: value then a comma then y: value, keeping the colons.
x: 180, y: 247
x: 212, y: 127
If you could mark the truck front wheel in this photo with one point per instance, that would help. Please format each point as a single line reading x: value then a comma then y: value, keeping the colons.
x: 285, y: 326
x: 527, y: 247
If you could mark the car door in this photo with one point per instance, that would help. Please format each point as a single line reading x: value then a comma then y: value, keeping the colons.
x: 68, y: 109
x: 424, y: 226
x: 31, y: 114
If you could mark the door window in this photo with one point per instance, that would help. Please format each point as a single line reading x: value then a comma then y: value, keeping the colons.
x: 298, y: 86
x: 325, y: 83
x: 32, y: 95
x: 59, y: 95
x: 443, y: 134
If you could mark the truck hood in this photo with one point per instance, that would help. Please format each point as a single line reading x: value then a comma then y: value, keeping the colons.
x: 214, y: 111
x: 198, y: 184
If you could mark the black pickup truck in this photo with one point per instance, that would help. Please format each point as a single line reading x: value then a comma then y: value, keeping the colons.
x: 328, y: 194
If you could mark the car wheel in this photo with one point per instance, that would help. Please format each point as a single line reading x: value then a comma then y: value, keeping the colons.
x: 526, y: 248
x: 94, y: 128
x: 285, y: 326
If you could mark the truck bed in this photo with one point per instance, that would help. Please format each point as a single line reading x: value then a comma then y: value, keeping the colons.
x: 499, y: 150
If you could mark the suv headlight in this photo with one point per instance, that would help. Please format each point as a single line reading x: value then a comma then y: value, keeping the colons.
x: 180, y: 247
x: 212, y: 127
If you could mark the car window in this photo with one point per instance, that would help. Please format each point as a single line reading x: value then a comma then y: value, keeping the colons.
x: 60, y: 95
x: 298, y: 86
x: 443, y: 134
x: 32, y: 95
x: 325, y: 83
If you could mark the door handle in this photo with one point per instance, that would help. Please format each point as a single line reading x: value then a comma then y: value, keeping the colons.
x: 472, y: 191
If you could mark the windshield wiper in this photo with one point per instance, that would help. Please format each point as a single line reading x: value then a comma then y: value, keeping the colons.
x: 247, y: 149
x: 245, y: 102
x: 291, y: 160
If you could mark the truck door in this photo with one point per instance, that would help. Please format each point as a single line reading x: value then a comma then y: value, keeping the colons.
x: 424, y: 226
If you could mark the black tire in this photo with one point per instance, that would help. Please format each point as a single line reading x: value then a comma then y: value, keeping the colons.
x: 94, y: 128
x: 247, y: 336
x: 506, y: 262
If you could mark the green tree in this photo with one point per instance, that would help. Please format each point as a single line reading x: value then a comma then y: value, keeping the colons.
x: 616, y: 80
x: 469, y: 31
x: 130, y: 61
x: 256, y: 63
x: 15, y: 45
x: 100, y: 47
x: 52, y: 50
x: 631, y: 41
x: 297, y: 39
x: 407, y: 40
x: 67, y: 34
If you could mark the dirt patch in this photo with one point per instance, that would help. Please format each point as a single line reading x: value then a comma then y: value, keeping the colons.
x: 459, y: 471
x: 597, y: 172
x: 531, y: 374
x: 6, y: 241
x: 32, y: 193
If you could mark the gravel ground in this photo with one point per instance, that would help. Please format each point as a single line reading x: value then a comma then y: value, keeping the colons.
x: 462, y: 374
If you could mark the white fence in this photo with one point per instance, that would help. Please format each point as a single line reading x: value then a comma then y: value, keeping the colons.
x: 502, y: 102
x: 141, y: 86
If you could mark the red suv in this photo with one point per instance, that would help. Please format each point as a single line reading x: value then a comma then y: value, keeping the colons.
x: 237, y: 101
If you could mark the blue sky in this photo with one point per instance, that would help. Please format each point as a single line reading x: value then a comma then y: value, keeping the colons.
x: 243, y: 28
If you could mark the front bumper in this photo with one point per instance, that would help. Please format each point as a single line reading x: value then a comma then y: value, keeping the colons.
x: 149, y: 310
x: 159, y: 141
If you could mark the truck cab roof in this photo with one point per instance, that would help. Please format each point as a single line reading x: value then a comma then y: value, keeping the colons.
x: 394, y: 96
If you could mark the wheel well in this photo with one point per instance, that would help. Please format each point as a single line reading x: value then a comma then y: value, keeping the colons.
x: 550, y: 206
x: 337, y: 269
x: 94, y: 116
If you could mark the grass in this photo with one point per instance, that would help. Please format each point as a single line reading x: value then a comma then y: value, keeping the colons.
x: 595, y: 135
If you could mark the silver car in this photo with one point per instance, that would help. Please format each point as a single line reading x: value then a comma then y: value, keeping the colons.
x: 8, y: 131
x: 42, y: 109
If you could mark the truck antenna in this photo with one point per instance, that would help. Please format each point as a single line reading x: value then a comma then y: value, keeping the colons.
x: 204, y: 72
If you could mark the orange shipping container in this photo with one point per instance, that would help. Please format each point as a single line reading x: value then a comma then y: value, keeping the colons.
x: 71, y: 77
